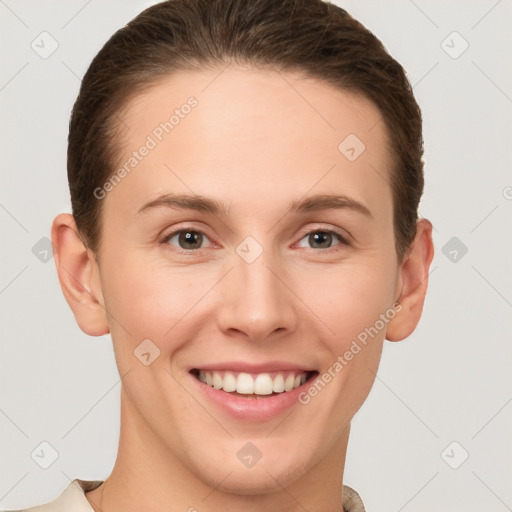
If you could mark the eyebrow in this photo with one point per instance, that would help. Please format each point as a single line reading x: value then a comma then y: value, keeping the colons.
x: 186, y: 201
x: 328, y: 201
x: 205, y: 204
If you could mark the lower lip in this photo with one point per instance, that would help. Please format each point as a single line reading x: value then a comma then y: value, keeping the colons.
x: 253, y: 409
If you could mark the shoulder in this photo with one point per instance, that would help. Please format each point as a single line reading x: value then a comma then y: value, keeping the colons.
x: 352, y: 502
x: 72, y: 499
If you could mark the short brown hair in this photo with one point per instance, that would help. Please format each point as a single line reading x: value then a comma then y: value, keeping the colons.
x: 314, y: 37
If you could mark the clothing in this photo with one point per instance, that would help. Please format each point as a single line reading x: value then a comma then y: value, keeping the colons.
x: 73, y: 499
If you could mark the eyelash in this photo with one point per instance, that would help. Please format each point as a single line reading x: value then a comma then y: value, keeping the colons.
x: 343, y: 241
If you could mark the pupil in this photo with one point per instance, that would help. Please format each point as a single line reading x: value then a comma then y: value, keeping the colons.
x: 190, y: 240
x: 320, y: 239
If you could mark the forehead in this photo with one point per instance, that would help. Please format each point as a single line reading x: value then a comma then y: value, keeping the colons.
x: 254, y: 131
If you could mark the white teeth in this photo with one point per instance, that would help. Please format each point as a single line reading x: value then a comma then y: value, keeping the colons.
x: 263, y: 384
x: 278, y: 384
x: 288, y: 383
x: 245, y: 384
x: 248, y: 384
x: 229, y: 382
x: 217, y: 380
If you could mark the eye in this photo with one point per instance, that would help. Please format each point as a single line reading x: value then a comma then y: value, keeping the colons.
x: 321, y: 239
x: 187, y: 239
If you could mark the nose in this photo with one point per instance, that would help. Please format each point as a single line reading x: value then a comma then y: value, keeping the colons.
x: 256, y: 301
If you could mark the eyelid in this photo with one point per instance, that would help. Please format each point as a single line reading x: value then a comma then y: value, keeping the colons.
x: 345, y: 237
x: 167, y: 235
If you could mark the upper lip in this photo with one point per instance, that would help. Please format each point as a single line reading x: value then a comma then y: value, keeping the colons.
x: 246, y: 367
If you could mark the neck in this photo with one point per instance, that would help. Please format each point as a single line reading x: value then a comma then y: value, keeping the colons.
x: 147, y: 473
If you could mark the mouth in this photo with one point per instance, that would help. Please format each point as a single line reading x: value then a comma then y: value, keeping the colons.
x: 254, y: 385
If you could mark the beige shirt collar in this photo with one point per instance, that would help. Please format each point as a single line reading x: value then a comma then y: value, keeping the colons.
x: 73, y: 499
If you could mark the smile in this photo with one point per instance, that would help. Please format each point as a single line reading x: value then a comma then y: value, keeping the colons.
x: 249, y: 392
x: 253, y: 385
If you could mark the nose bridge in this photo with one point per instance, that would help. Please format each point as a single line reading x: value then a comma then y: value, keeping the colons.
x: 258, y: 304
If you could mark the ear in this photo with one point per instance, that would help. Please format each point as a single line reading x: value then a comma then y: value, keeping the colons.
x: 79, y: 276
x: 414, y: 280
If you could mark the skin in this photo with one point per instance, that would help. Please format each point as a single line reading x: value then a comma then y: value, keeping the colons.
x: 257, y: 141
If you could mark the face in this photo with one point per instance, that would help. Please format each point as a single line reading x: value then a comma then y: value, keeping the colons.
x: 252, y: 252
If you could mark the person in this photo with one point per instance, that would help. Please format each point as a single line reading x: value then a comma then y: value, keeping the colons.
x: 245, y: 180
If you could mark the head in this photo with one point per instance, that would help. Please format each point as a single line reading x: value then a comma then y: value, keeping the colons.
x: 245, y: 181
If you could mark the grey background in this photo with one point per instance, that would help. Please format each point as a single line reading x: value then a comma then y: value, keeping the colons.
x: 450, y: 381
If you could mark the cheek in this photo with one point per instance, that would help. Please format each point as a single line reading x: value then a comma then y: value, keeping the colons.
x: 149, y: 300
x: 355, y: 302
x: 349, y: 297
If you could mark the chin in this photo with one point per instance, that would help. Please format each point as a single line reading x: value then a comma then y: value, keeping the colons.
x: 280, y: 465
x: 253, y: 482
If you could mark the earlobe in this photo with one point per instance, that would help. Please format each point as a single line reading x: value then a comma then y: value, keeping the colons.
x: 79, y: 276
x: 414, y: 276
